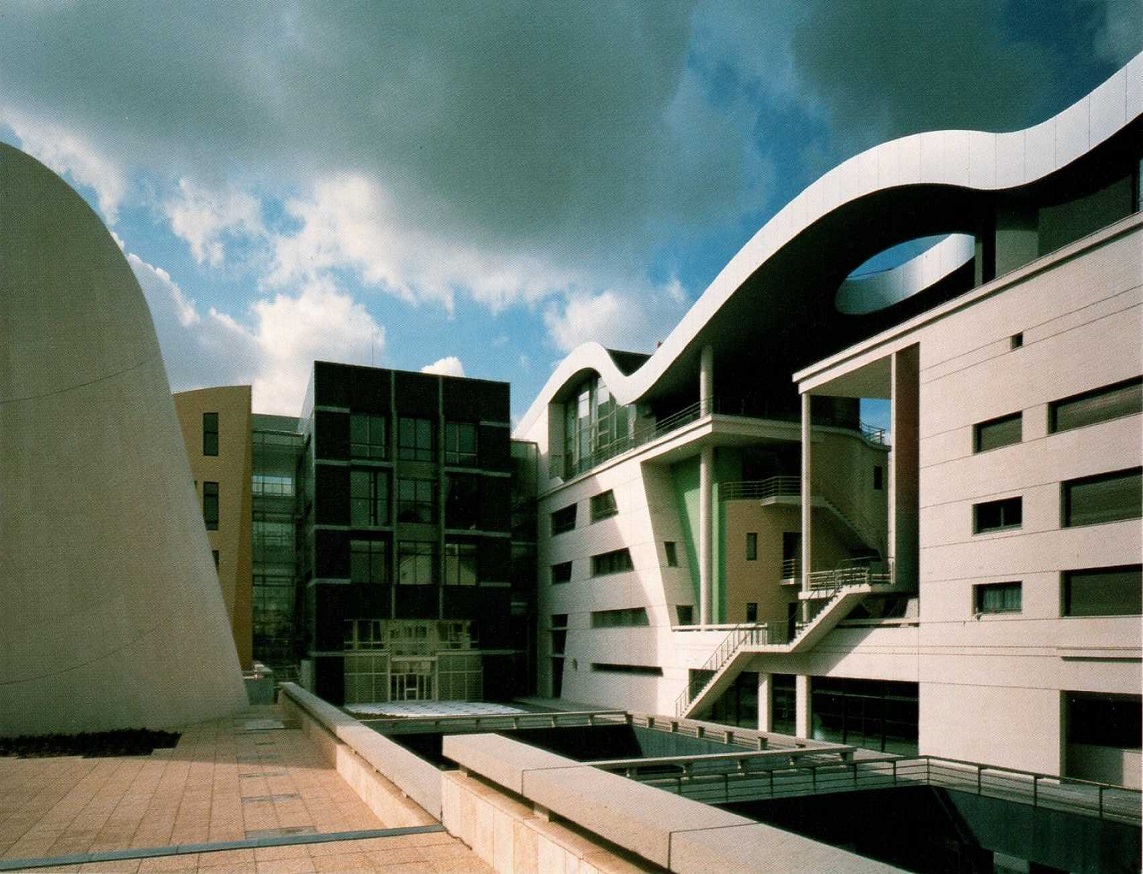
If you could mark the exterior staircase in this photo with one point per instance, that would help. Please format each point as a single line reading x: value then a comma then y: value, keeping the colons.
x: 832, y: 595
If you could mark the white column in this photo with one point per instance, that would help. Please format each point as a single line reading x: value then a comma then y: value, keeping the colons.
x: 706, y: 525
x: 764, y: 702
x: 807, y: 492
x: 803, y: 724
x: 706, y: 381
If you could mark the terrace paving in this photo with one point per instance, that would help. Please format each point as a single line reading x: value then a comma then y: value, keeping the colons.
x: 238, y: 794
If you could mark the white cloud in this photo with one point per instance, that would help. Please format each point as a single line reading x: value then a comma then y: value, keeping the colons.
x: 71, y: 154
x: 631, y: 321
x: 448, y: 366
x: 203, y: 216
x: 271, y: 347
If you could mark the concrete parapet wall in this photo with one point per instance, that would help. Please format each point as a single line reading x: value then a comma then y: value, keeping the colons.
x: 674, y: 833
x: 402, y: 789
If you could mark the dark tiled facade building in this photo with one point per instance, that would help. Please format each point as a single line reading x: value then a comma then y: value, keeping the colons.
x: 405, y: 526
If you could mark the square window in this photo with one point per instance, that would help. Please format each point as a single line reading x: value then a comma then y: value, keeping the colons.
x: 603, y: 506
x: 561, y: 573
x: 416, y: 500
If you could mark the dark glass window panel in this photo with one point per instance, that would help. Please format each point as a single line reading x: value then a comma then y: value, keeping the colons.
x: 210, y: 433
x: 995, y: 433
x: 630, y: 617
x: 367, y: 436
x: 416, y: 500
x: 1109, y: 497
x: 1100, y: 405
x: 564, y: 519
x: 460, y: 564
x: 415, y: 439
x: 416, y: 563
x: 672, y: 551
x: 603, y: 506
x: 368, y: 562
x: 1104, y: 720
x: 752, y: 546
x: 614, y: 562
x: 210, y: 505
x: 462, y: 501
x: 460, y: 443
x: 997, y: 515
x: 1110, y: 591
x: 561, y: 573
x: 998, y: 598
x: 368, y: 498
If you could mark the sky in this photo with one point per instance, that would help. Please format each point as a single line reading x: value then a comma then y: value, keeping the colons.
x: 477, y: 188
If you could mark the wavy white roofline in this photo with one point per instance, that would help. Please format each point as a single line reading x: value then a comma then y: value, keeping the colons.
x: 973, y: 160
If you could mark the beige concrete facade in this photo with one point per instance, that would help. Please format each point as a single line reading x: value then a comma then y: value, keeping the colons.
x: 113, y: 617
x: 224, y: 457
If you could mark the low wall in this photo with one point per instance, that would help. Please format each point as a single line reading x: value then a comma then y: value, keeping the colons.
x: 662, y: 830
x: 387, y: 776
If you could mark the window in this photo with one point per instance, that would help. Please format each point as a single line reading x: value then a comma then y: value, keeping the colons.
x: 460, y: 564
x: 1100, y: 405
x: 1109, y: 497
x: 751, y: 611
x: 562, y: 572
x: 460, y: 443
x: 994, y: 433
x: 415, y: 439
x: 752, y: 546
x: 363, y: 634
x: 615, y: 562
x: 416, y: 563
x: 563, y: 519
x: 214, y: 555
x: 878, y: 477
x: 997, y: 598
x: 997, y: 515
x: 210, y: 433
x: 210, y: 505
x: 875, y: 714
x: 791, y: 554
x: 671, y: 549
x: 685, y: 614
x: 1105, y: 591
x: 368, y: 498
x: 643, y: 670
x: 368, y: 562
x: 630, y: 617
x: 273, y: 485
x: 559, y: 633
x: 1016, y: 341
x: 416, y: 500
x: 603, y: 506
x: 1104, y: 720
x: 783, y: 703
x: 367, y: 436
x: 462, y: 501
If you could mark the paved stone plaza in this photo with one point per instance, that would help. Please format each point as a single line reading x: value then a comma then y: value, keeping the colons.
x: 240, y: 794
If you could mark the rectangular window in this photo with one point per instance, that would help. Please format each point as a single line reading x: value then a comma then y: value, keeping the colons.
x: 1108, y: 497
x: 416, y: 500
x: 210, y: 505
x: 630, y: 617
x: 994, y: 433
x: 367, y: 436
x: 460, y: 443
x: 416, y: 563
x: 752, y: 546
x: 642, y: 670
x: 997, y: 598
x: 615, y: 562
x: 783, y: 703
x: 368, y: 498
x: 462, y: 501
x: 562, y: 572
x: 685, y: 614
x: 672, y: 551
x: 214, y: 555
x: 1104, y: 720
x: 997, y: 515
x: 210, y: 433
x: 1104, y: 591
x: 415, y: 439
x: 564, y: 519
x: 460, y: 564
x: 751, y: 611
x: 878, y: 477
x: 1099, y: 405
x: 603, y: 506
x: 368, y: 562
x: 791, y: 554
x: 559, y: 633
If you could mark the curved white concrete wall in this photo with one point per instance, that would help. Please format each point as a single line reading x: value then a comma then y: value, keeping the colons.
x: 112, y: 614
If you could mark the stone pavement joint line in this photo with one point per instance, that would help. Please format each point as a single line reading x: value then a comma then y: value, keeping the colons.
x: 216, y: 846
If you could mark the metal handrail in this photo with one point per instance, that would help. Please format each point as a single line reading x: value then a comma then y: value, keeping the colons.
x: 726, y: 781
x: 515, y: 721
x: 771, y: 487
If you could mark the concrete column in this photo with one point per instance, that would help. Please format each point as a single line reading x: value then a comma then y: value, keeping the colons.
x: 807, y: 493
x: 904, y: 483
x: 706, y: 533
x: 803, y: 724
x: 706, y: 381
x: 764, y: 723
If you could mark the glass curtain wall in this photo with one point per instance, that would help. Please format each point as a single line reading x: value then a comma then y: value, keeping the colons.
x: 595, y: 427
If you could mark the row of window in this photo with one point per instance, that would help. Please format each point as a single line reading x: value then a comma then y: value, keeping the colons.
x: 368, y: 439
x: 1109, y: 591
x: 1088, y: 408
x: 603, y: 506
x: 1089, y: 500
x: 416, y: 499
x: 416, y: 563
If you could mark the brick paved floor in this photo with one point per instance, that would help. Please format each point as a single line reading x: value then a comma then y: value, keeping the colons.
x: 222, y: 782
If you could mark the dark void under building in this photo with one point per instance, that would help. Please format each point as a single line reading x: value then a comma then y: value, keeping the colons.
x: 405, y: 562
